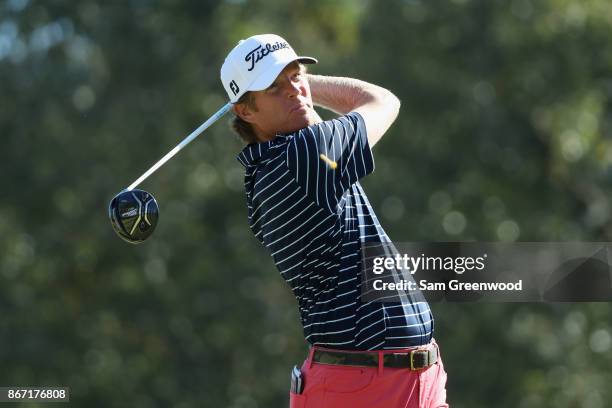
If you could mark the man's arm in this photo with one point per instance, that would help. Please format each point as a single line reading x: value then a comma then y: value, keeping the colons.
x: 378, y: 106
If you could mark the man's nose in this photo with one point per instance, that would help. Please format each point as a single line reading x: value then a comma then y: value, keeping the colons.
x: 293, y: 88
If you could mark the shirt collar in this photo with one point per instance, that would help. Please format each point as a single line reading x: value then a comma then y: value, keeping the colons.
x: 252, y: 154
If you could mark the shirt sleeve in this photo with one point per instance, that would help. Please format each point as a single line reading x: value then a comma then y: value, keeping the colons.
x: 313, y: 150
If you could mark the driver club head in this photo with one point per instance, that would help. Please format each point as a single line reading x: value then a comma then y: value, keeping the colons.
x: 133, y: 215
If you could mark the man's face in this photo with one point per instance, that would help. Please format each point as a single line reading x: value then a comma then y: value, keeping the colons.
x: 283, y: 107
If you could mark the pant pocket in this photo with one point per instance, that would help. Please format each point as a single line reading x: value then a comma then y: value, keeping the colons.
x: 348, y: 379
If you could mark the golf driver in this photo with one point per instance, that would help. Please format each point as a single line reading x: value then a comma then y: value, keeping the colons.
x: 134, y: 213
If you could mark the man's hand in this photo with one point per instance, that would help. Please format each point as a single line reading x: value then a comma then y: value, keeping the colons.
x: 378, y: 106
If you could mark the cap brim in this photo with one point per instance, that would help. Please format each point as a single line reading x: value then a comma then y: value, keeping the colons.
x: 266, y: 79
x: 308, y: 60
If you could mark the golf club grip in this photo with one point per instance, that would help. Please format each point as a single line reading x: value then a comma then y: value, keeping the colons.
x: 182, y: 144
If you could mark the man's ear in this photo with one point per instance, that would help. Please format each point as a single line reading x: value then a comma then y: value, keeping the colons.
x: 243, y: 112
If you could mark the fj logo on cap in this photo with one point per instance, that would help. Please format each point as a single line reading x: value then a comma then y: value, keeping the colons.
x: 258, y: 53
x: 234, y: 87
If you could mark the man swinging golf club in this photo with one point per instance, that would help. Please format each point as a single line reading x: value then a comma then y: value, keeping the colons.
x: 306, y: 206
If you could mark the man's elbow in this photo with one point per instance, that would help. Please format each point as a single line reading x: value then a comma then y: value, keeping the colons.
x: 379, y: 112
x: 393, y: 103
x: 388, y: 102
x: 391, y: 106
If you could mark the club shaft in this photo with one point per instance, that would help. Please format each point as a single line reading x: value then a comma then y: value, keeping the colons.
x: 180, y: 146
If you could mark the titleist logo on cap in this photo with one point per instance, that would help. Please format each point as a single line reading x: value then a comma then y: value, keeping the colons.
x: 260, y: 52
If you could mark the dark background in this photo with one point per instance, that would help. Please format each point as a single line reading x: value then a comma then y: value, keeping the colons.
x: 503, y: 135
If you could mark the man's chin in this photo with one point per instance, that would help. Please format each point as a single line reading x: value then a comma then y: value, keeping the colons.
x: 303, y: 118
x: 301, y: 123
x: 311, y: 117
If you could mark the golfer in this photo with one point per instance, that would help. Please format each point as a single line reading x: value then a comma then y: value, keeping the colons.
x: 306, y: 206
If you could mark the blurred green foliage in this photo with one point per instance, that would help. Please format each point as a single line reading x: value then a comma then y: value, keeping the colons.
x: 504, y: 135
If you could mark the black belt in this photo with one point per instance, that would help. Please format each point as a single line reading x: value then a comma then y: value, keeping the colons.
x: 416, y: 359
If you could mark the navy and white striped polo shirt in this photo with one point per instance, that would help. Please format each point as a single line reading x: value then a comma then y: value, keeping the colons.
x: 313, y: 219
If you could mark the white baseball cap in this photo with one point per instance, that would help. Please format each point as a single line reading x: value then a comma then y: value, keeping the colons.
x: 255, y: 63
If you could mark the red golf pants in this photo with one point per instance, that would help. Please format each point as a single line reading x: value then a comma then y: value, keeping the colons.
x: 338, y: 386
